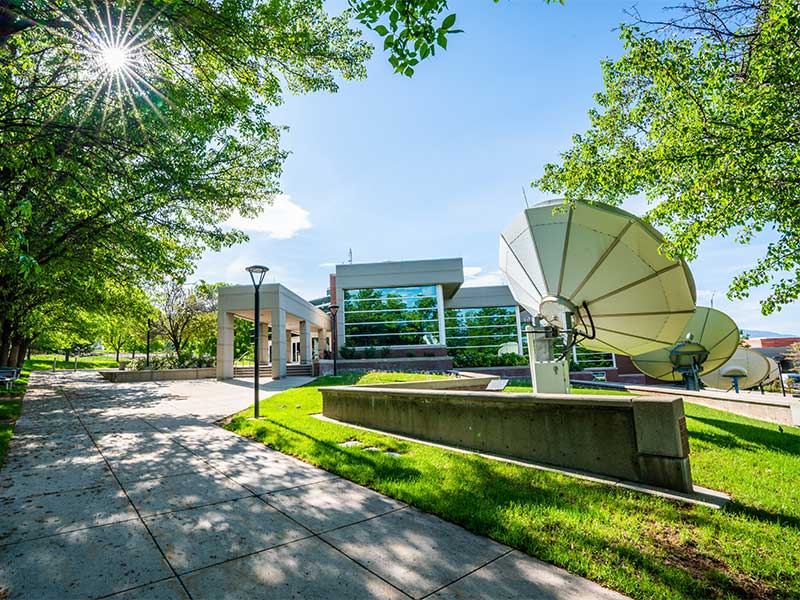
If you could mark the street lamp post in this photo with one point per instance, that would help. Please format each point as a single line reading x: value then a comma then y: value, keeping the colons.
x: 334, y: 308
x: 256, y: 272
x: 149, y: 326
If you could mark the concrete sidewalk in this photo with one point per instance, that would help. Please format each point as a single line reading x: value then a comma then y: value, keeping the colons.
x: 130, y: 490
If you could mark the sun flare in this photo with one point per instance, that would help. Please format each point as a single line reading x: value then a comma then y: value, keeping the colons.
x: 114, y: 58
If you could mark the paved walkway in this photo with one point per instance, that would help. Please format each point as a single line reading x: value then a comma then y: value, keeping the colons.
x: 130, y: 491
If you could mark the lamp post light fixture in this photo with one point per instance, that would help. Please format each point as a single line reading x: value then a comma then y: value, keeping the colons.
x: 257, y: 273
x: 334, y: 308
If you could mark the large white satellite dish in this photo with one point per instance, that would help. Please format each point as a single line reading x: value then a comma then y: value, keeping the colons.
x: 602, y: 265
x: 711, y: 329
x: 748, y: 367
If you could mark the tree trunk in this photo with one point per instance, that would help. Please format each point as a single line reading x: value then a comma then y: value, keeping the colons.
x: 117, y: 354
x: 5, y: 342
x: 66, y: 355
x: 12, y: 356
x: 24, y: 350
x: 133, y: 353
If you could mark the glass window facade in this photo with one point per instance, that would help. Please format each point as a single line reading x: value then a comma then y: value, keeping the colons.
x: 403, y: 316
x: 590, y: 359
x: 480, y: 329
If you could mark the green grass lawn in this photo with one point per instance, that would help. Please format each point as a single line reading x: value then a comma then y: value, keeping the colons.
x: 10, y: 409
x: 44, y: 362
x: 641, y: 545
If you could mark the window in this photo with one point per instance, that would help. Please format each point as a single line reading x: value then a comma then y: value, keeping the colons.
x: 403, y: 316
x: 480, y: 329
x: 590, y: 359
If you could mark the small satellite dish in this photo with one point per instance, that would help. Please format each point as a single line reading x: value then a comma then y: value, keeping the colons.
x: 712, y: 330
x: 509, y: 348
x: 601, y: 268
x: 745, y: 369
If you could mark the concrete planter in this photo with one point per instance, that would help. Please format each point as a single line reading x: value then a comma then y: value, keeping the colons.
x: 417, y: 363
x: 116, y: 376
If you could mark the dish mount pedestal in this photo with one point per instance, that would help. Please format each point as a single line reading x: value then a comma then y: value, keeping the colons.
x: 548, y: 375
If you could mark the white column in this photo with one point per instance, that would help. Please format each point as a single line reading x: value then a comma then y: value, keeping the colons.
x: 263, y: 343
x: 305, y: 343
x: 519, y: 331
x: 440, y: 305
x: 322, y: 344
x: 224, y: 345
x: 278, y: 343
x: 340, y: 337
x: 289, y: 352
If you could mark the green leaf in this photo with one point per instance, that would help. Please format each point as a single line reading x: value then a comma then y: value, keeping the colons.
x: 449, y: 21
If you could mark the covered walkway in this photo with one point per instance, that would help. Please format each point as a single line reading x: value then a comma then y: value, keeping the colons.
x: 284, y: 317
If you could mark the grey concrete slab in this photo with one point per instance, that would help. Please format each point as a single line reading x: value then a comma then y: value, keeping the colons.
x: 516, y: 576
x: 203, y: 536
x: 82, y: 564
x: 331, y: 503
x: 21, y: 483
x: 51, y: 514
x: 114, y: 426
x: 307, y: 569
x: 273, y: 475
x: 39, y: 457
x: 416, y: 552
x: 54, y: 525
x: 148, y: 466
x: 171, y: 589
x: 57, y: 427
x: 153, y: 496
x: 116, y: 444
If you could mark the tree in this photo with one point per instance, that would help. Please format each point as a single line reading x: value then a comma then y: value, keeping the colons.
x: 129, y: 133
x: 411, y: 29
x: 702, y: 115
x: 793, y: 355
x: 182, y: 311
x: 124, y: 319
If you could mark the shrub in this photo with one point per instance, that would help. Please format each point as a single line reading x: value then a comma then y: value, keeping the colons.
x: 170, y: 361
x: 487, y: 359
x: 370, y: 352
x: 386, y: 352
x: 347, y: 352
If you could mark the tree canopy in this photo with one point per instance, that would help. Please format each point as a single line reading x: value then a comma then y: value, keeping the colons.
x: 701, y: 114
x: 130, y: 131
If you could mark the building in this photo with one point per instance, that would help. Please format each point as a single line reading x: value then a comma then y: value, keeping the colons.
x: 776, y: 348
x: 389, y: 311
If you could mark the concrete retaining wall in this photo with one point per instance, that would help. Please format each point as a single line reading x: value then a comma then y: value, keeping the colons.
x: 116, y: 376
x: 636, y: 439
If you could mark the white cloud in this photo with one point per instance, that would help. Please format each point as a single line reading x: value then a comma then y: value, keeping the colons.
x: 282, y: 219
x: 475, y: 277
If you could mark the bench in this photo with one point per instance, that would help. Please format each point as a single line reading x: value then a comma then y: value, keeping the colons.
x: 9, y: 375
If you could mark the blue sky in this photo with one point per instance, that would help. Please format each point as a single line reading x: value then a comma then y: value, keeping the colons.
x: 433, y: 166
